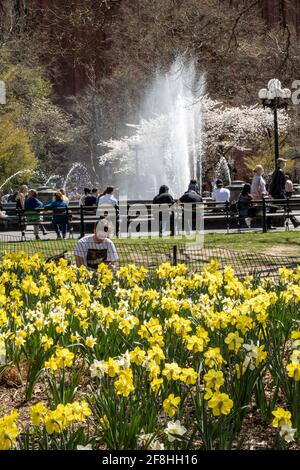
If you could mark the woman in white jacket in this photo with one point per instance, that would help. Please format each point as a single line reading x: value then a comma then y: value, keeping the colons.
x: 258, y: 186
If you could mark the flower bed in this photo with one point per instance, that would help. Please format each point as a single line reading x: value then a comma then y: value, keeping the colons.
x: 168, y: 359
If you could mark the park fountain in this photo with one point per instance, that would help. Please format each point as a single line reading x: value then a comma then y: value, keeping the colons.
x: 223, y: 171
x: 174, y: 156
x: 167, y: 146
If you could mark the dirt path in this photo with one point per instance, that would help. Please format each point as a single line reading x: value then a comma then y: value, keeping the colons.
x: 282, y: 250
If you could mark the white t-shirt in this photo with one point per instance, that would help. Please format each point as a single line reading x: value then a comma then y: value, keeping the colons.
x: 106, y: 200
x: 221, y: 195
x: 94, y: 253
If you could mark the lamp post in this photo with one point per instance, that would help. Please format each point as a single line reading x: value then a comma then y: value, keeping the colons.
x: 2, y: 94
x: 274, y: 97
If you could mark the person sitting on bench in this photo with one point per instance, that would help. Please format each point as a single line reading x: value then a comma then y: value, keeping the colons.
x: 245, y: 202
x: 220, y: 194
x: 30, y: 205
x: 60, y: 218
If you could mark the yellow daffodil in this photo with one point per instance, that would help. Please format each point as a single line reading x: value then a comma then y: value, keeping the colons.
x: 172, y: 371
x: 220, y: 403
x: 170, y: 405
x: 214, y: 379
x: 37, y: 413
x: 282, y: 418
x: 124, y: 385
x: 213, y: 358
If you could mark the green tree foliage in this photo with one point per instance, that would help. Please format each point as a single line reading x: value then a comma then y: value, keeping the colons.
x: 30, y: 108
x: 265, y: 157
x: 15, y: 148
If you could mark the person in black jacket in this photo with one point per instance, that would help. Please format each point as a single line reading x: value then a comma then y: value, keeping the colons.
x: 163, y: 197
x: 277, y: 187
x: 190, y: 197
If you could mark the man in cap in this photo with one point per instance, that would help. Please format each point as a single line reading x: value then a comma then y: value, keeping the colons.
x: 220, y: 194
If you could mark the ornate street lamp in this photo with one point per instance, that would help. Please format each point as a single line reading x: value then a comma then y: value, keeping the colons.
x: 274, y: 97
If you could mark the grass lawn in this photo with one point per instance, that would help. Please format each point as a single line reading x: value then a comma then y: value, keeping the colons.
x: 287, y: 242
x: 277, y: 243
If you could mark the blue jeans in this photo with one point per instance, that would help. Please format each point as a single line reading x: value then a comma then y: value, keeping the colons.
x: 61, y: 229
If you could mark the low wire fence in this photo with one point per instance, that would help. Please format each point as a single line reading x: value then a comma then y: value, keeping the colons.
x: 152, y: 254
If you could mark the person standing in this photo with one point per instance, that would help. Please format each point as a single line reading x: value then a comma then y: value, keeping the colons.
x: 277, y: 187
x: 107, y: 199
x: 86, y: 191
x: 21, y: 197
x: 258, y: 185
x: 163, y: 197
x: 64, y: 196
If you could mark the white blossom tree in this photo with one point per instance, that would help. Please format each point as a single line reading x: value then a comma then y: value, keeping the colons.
x: 227, y: 128
x: 122, y: 153
x: 224, y: 129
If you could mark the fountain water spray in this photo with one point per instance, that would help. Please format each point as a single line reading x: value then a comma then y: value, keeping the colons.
x: 83, y: 178
x: 223, y: 171
x: 167, y: 145
x: 52, y: 177
x: 13, y: 176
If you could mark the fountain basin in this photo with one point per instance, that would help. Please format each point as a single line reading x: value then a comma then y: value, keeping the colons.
x: 235, y: 189
x: 45, y: 194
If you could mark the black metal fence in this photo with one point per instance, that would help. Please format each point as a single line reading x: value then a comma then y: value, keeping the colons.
x: 151, y: 254
x: 212, y: 215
